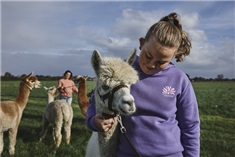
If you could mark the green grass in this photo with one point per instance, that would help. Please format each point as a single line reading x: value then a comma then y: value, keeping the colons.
x: 216, y: 102
x: 216, y: 107
x: 216, y: 98
x: 30, y: 127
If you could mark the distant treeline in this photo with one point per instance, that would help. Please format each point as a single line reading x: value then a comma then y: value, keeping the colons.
x: 197, y: 79
x: 9, y: 77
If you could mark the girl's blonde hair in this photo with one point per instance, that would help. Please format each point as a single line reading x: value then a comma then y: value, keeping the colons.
x: 168, y: 32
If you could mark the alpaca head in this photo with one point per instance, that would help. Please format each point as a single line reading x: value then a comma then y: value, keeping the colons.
x: 51, y: 90
x: 114, y: 78
x: 51, y: 93
x: 81, y: 78
x: 31, y: 81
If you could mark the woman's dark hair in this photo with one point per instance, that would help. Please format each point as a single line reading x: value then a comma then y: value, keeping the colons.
x: 68, y: 71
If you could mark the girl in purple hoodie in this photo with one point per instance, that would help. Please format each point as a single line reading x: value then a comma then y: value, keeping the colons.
x: 166, y: 122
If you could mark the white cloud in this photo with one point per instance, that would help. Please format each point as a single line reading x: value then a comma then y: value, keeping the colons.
x: 197, y: 35
x: 189, y: 21
x: 135, y: 23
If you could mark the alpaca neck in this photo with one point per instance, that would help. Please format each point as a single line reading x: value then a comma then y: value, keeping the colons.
x: 82, y: 89
x: 82, y: 98
x: 50, y: 98
x: 109, y: 141
x: 101, y: 110
x: 23, y: 95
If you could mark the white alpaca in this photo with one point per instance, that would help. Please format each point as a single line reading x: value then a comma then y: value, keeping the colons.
x: 112, y: 96
x: 57, y: 112
x: 11, y: 111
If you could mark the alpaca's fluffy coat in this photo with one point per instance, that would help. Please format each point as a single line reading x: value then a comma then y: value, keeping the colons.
x: 57, y: 112
x: 110, y: 73
x: 11, y: 111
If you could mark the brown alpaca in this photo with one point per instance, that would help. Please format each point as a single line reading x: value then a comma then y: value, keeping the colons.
x: 11, y: 111
x: 82, y: 97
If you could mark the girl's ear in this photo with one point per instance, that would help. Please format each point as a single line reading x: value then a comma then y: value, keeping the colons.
x: 141, y: 40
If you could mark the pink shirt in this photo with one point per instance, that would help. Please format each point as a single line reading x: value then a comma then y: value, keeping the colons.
x: 68, y: 87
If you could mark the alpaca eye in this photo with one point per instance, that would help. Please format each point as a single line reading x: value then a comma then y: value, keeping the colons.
x: 105, y: 87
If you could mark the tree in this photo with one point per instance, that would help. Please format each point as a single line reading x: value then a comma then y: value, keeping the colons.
x: 220, y: 77
x: 8, y: 75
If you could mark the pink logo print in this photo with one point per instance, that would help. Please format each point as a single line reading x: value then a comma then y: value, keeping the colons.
x: 168, y: 91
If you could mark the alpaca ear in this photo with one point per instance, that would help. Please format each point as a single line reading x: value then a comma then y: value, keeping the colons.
x: 131, y: 58
x: 28, y: 76
x: 45, y: 88
x: 95, y: 61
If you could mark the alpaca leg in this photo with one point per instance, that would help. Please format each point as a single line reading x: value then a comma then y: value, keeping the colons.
x: 45, y: 126
x: 57, y: 136
x: 67, y: 129
x: 67, y: 126
x: 12, y: 140
x: 1, y: 142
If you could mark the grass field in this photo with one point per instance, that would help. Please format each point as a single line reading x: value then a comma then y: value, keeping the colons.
x: 216, y: 106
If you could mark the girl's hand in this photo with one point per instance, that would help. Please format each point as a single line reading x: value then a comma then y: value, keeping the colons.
x: 61, y: 89
x: 103, y: 124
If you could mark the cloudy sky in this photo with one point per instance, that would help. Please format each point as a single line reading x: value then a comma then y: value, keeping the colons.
x: 49, y: 37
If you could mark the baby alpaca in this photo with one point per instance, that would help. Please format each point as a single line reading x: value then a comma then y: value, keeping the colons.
x: 57, y: 112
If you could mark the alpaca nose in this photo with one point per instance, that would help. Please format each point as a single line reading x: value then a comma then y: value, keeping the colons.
x: 131, y: 108
x: 128, y: 101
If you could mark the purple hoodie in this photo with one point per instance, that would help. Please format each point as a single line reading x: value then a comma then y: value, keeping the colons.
x: 166, y: 122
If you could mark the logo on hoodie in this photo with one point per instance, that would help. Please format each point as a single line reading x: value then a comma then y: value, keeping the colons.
x: 168, y: 91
